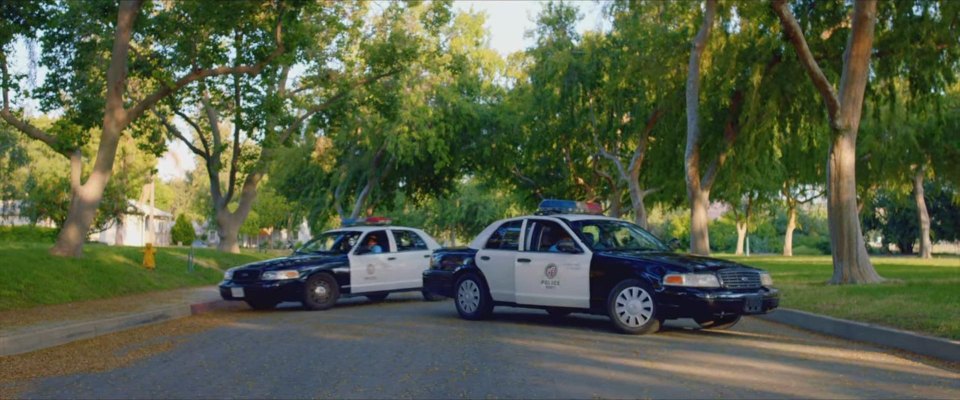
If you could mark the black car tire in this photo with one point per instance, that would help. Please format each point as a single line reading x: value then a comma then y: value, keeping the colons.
x: 377, y: 297
x: 320, y: 292
x: 260, y: 304
x: 472, y: 298
x: 427, y: 296
x: 632, y: 308
x: 558, y: 312
x: 719, y: 324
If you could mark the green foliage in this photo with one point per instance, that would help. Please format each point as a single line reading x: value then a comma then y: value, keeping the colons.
x: 27, y: 233
x: 894, y: 216
x: 182, y: 232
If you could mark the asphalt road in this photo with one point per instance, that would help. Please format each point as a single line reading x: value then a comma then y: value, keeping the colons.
x: 405, y: 348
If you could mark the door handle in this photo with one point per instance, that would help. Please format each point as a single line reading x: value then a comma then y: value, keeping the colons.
x: 391, y: 258
x: 484, y: 258
x: 523, y: 260
x: 426, y: 256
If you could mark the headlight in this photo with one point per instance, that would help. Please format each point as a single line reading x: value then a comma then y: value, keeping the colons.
x: 280, y: 275
x: 228, y: 274
x: 692, y: 280
x: 766, y: 279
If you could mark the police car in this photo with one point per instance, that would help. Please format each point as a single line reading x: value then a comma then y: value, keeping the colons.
x: 568, y: 258
x: 366, y: 258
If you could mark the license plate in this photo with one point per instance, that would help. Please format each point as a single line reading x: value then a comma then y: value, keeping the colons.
x: 236, y: 292
x: 752, y: 304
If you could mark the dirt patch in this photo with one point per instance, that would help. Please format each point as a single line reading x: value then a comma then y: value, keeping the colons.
x: 105, y: 353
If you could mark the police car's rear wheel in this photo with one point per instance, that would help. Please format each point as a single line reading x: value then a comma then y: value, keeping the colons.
x: 632, y: 308
x: 320, y: 292
x: 719, y: 323
x: 473, y: 300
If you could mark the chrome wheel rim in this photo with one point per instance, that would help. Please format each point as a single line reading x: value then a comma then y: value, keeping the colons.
x: 320, y: 292
x: 468, y: 296
x: 634, y: 306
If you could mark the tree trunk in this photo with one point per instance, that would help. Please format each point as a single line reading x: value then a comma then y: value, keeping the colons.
x: 86, y: 198
x: 741, y: 236
x: 228, y: 227
x: 851, y: 264
x: 639, y: 208
x: 698, y: 196
x: 614, y: 211
x: 926, y: 247
x: 699, y: 233
x: 791, y: 226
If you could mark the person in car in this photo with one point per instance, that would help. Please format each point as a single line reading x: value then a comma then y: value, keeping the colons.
x: 372, y: 245
x: 565, y: 241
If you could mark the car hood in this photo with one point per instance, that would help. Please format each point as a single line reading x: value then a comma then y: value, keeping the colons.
x: 689, y: 263
x: 294, y: 261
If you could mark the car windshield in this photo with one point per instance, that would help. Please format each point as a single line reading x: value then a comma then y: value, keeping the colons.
x: 611, y: 235
x: 338, y: 242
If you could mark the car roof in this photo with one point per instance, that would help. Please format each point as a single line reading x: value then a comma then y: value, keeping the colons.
x: 368, y: 228
x: 481, y: 238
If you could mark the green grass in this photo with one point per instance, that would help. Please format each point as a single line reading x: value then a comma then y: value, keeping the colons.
x: 920, y: 295
x: 32, y: 277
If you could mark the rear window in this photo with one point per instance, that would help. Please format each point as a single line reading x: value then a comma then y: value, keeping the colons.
x: 506, y: 237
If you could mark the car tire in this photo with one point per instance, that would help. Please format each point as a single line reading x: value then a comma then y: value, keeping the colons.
x: 632, y: 308
x: 719, y: 324
x: 558, y: 312
x: 427, y: 296
x: 320, y: 292
x: 262, y: 304
x: 377, y: 297
x: 472, y: 298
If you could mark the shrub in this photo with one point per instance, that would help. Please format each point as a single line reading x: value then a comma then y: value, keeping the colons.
x: 27, y: 233
x: 182, y: 231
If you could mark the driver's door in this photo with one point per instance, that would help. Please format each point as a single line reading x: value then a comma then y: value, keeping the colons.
x: 372, y: 272
x: 551, y: 276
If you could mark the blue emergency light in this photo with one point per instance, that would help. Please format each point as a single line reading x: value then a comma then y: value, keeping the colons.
x: 555, y: 206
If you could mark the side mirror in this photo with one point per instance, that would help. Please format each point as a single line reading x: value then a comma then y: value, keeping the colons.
x: 673, y: 244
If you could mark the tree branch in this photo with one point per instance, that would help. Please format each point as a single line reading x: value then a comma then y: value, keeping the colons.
x: 172, y: 130
x: 793, y: 31
x: 21, y: 125
x: 196, y: 128
x: 198, y: 74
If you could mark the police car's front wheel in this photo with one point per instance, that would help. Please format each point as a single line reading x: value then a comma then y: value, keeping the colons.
x: 632, y: 308
x: 472, y: 298
x: 320, y: 292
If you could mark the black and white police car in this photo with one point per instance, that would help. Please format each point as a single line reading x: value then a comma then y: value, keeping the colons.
x: 369, y: 259
x: 569, y: 258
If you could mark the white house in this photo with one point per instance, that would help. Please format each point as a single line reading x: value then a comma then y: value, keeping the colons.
x: 146, y: 225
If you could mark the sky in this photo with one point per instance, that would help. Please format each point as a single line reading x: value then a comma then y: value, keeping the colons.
x: 507, y: 23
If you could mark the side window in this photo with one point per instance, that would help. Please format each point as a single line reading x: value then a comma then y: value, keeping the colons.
x: 408, y: 241
x: 506, y: 237
x: 374, y: 242
x: 547, y: 236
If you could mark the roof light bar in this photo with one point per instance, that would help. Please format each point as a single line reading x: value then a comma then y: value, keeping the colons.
x: 555, y: 206
x: 369, y: 221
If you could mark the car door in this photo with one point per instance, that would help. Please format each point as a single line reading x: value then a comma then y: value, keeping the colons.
x: 554, y: 268
x: 371, y: 271
x: 498, y: 257
x: 412, y: 257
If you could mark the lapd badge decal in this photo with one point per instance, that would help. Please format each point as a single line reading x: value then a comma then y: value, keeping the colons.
x: 370, y: 270
x: 551, y: 281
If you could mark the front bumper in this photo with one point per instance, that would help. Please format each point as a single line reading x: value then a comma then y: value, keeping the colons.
x: 682, y: 302
x: 285, y: 290
x: 438, y: 282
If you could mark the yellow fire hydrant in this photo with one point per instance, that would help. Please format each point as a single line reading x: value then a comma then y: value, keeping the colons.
x: 149, y: 261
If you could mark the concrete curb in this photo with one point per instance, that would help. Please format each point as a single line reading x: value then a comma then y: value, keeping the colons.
x: 43, y: 338
x: 943, y: 349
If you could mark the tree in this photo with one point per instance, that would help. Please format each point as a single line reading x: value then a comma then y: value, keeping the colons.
x: 176, y: 39
x: 182, y: 232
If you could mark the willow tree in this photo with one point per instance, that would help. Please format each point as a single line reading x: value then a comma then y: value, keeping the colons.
x: 109, y: 63
x: 928, y: 67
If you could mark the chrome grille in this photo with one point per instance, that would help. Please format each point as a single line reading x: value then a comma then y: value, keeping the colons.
x: 739, y: 279
x: 246, y: 275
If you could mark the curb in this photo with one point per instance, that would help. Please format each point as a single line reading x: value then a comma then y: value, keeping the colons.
x: 41, y: 339
x: 940, y: 348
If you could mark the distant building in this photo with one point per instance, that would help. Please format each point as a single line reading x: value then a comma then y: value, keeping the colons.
x: 146, y: 224
x: 11, y: 215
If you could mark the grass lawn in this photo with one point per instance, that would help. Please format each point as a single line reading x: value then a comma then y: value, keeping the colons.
x: 32, y: 277
x: 920, y: 295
